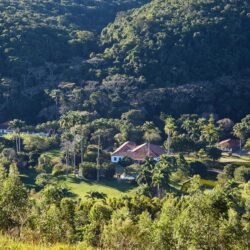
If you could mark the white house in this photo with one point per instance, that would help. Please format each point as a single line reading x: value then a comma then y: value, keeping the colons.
x: 137, y: 153
x: 122, y: 151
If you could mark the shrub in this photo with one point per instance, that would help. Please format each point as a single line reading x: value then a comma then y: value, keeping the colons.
x: 126, y: 161
x: 108, y: 170
x: 43, y: 179
x: 242, y: 174
x: 198, y: 168
x: 213, y: 153
x: 182, y: 144
x: 60, y: 169
x: 88, y: 170
x: 227, y: 174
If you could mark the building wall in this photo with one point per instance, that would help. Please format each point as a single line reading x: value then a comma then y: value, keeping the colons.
x: 116, y: 158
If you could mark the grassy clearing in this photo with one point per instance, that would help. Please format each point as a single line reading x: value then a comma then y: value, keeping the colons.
x: 239, y: 160
x: 80, y: 187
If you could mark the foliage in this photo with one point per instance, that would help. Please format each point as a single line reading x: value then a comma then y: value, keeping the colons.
x: 213, y: 153
x: 88, y: 170
x: 198, y: 168
x: 242, y: 174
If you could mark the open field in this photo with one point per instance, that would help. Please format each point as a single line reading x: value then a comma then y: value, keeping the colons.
x: 80, y: 187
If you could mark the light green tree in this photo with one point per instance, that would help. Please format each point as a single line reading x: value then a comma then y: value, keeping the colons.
x: 169, y: 130
x: 17, y: 125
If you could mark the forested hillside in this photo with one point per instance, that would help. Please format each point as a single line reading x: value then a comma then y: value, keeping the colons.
x: 179, y: 41
x: 43, y: 42
x: 193, y: 54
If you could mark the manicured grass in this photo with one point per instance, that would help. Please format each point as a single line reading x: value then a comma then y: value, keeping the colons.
x: 80, y: 187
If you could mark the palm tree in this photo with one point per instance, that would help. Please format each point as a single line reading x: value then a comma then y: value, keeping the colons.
x: 145, y: 174
x: 241, y: 130
x: 210, y: 132
x: 68, y: 147
x: 160, y: 178
x: 151, y: 133
x: 17, y: 125
x: 169, y: 129
x: 82, y: 132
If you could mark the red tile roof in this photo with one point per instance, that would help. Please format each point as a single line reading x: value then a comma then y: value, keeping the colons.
x: 232, y: 143
x: 139, y: 153
x: 147, y: 150
x: 125, y: 148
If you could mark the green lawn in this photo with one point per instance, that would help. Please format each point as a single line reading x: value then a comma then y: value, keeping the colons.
x: 80, y: 187
x: 239, y: 160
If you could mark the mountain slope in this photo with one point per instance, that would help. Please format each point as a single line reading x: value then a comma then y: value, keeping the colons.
x: 43, y: 42
x: 180, y: 41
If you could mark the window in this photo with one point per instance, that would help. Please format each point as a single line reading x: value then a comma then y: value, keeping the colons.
x: 114, y: 158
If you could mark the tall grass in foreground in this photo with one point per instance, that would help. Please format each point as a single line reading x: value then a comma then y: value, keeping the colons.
x: 6, y: 243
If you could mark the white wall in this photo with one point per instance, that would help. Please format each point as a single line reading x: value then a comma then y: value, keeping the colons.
x: 116, y: 158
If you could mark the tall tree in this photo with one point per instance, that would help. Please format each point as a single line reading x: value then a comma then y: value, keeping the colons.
x: 17, y: 125
x: 210, y: 132
x: 151, y: 133
x: 169, y: 129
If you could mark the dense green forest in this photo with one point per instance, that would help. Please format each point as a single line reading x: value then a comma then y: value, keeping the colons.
x: 45, y: 42
x: 166, y: 56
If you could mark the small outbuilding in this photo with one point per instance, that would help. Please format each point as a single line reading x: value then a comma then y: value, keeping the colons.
x: 230, y: 145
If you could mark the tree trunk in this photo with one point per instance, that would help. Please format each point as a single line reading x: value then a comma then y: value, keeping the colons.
x: 169, y: 141
x: 67, y: 162
x: 81, y: 150
x: 19, y: 142
x: 98, y: 161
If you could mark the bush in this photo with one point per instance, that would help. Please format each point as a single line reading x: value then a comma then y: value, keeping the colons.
x: 43, y: 179
x: 126, y: 161
x: 182, y: 144
x: 108, y: 170
x: 60, y: 169
x: 44, y: 164
x: 88, y: 170
x: 198, y: 168
x: 91, y: 154
x: 242, y: 174
x: 33, y: 158
x: 227, y: 174
x: 213, y: 153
